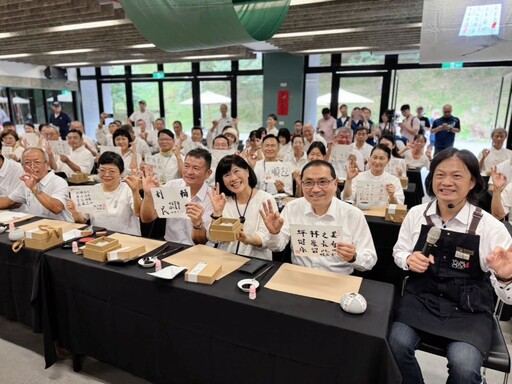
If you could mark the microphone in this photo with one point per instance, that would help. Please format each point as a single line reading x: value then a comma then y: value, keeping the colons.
x: 432, y: 237
x: 451, y: 205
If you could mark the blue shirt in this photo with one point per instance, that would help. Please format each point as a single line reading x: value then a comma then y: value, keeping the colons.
x: 62, y: 121
x: 445, y: 139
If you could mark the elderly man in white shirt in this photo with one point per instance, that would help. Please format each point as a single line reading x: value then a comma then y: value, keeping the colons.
x: 10, y: 172
x: 191, y: 230
x: 321, y: 208
x: 43, y: 193
x: 308, y: 132
x: 80, y: 159
x: 498, y: 153
x: 88, y: 142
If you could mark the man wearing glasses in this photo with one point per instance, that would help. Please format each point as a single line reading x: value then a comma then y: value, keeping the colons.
x: 41, y: 191
x: 321, y: 208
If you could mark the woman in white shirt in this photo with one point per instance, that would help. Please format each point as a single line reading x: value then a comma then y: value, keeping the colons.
x: 285, y: 144
x: 236, y: 197
x: 123, y: 140
x: 298, y: 157
x: 396, y: 165
x: 252, y: 153
x: 122, y: 198
x: 11, y: 144
x: 381, y: 187
x: 414, y: 154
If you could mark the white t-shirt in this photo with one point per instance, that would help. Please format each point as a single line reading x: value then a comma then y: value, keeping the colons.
x: 260, y: 170
x: 119, y: 216
x: 179, y: 230
x: 165, y: 167
x: 365, y: 150
x: 81, y: 157
x: 423, y: 161
x: 297, y: 164
x: 495, y: 157
x: 316, y: 137
x: 354, y: 229
x: 52, y: 185
x: 146, y: 116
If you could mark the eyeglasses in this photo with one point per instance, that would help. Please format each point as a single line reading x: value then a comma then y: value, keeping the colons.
x: 165, y: 140
x: 33, y: 163
x: 308, y: 184
x: 108, y: 171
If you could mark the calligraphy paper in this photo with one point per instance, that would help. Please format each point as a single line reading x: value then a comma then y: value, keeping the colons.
x: 394, y: 165
x: 59, y: 147
x: 6, y: 151
x: 171, y: 201
x: 371, y: 191
x: 277, y: 170
x: 32, y: 139
x: 314, y: 240
x: 88, y: 199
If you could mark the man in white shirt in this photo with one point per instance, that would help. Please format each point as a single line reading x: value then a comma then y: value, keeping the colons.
x: 360, y: 143
x: 191, y: 230
x: 320, y: 207
x: 196, y: 140
x: 41, y: 191
x: 309, y: 135
x: 218, y: 125
x: 181, y: 138
x: 326, y: 125
x: 89, y: 144
x: 283, y: 184
x: 271, y: 125
x: 10, y: 172
x: 80, y: 159
x: 143, y: 114
x: 488, y: 158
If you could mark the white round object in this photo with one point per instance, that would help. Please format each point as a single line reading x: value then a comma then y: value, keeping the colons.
x: 352, y: 302
x: 364, y: 205
x: 16, y: 234
x: 146, y: 264
x: 245, y: 284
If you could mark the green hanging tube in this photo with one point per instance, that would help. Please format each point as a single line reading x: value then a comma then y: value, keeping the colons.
x: 184, y: 25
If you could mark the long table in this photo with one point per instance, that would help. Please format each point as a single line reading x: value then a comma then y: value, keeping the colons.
x: 179, y: 332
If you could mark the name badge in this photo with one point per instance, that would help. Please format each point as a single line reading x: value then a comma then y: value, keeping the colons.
x: 463, y: 254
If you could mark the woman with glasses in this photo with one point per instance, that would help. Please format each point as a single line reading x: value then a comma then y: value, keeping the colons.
x: 131, y: 159
x: 11, y: 145
x: 415, y: 155
x: 236, y: 196
x: 375, y: 185
x: 123, y: 200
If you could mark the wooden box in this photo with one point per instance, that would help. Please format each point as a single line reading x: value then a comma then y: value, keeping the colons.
x: 395, y: 213
x: 43, y: 237
x: 225, y: 229
x: 404, y: 180
x: 98, y: 249
x: 203, y: 273
x: 126, y: 253
x: 78, y: 178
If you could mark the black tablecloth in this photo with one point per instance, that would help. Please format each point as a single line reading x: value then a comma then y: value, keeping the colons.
x: 414, y: 176
x: 411, y: 196
x: 178, y: 332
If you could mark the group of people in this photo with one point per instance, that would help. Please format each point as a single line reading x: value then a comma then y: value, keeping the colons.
x: 449, y: 291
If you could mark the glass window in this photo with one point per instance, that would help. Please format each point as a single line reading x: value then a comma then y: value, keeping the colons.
x: 90, y: 106
x: 322, y: 60
x: 27, y: 104
x: 361, y: 58
x: 256, y: 63
x: 184, y: 67
x: 215, y: 66
x: 144, y: 69
x: 178, y: 103
x: 472, y: 92
x: 409, y: 58
x: 213, y: 94
x: 250, y: 102
x: 361, y: 92
x: 5, y: 114
x: 147, y: 91
x: 87, y: 71
x: 112, y: 70
x: 66, y: 100
x: 318, y: 90
x: 114, y: 100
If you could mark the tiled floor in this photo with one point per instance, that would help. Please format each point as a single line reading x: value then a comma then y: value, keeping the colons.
x: 21, y: 362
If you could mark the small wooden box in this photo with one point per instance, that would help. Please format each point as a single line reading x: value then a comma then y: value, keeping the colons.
x: 43, y: 238
x: 203, y: 273
x: 404, y: 180
x: 395, y: 213
x: 126, y: 253
x: 98, y: 249
x: 225, y: 229
x: 78, y: 178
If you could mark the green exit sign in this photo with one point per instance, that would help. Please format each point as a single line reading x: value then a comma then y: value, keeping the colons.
x: 158, y: 75
x: 65, y: 92
x: 452, y: 65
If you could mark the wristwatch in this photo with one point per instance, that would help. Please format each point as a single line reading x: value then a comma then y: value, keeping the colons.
x: 37, y: 191
x: 201, y: 226
x: 354, y: 258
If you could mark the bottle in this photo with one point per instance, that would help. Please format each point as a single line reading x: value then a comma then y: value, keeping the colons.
x: 158, y: 265
x: 74, y: 246
x: 252, y: 292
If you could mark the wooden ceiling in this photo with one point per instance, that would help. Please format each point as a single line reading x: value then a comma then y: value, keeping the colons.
x: 26, y: 28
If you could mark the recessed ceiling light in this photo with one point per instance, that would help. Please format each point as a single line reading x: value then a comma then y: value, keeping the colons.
x: 136, y: 46
x: 68, y: 51
x: 303, y: 2
x: 90, y: 25
x: 15, y: 55
x: 340, y: 31
x: 327, y: 50
x: 137, y: 54
x: 79, y: 64
x: 6, y: 35
x: 126, y: 61
x: 207, y: 57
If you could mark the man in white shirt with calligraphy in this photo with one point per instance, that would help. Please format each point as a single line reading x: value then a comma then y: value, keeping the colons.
x: 320, y: 207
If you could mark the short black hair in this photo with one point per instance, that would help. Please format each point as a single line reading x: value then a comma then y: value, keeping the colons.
x: 405, y: 107
x: 297, y: 121
x: 75, y: 131
x: 7, y: 133
x: 343, y: 105
x: 29, y: 124
x: 8, y: 124
x: 201, y: 153
x: 325, y: 110
x: 272, y: 115
x: 471, y: 162
x: 391, y: 138
x: 196, y: 128
x: 220, y: 137
x: 361, y: 128
x: 262, y: 130
x: 111, y: 158
x: 177, y: 122
x: 319, y: 145
x: 298, y: 137
x: 382, y: 147
x: 128, y: 128
x: 284, y: 132
x: 256, y: 133
x: 41, y: 126
x: 319, y: 163
x: 224, y: 167
x: 121, y: 132
x: 268, y: 137
x: 167, y: 132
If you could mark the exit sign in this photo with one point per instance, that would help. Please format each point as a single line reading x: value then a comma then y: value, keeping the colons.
x: 158, y: 75
x: 65, y: 92
x: 452, y: 65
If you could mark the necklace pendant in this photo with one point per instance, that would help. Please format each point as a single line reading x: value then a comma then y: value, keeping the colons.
x: 242, y: 219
